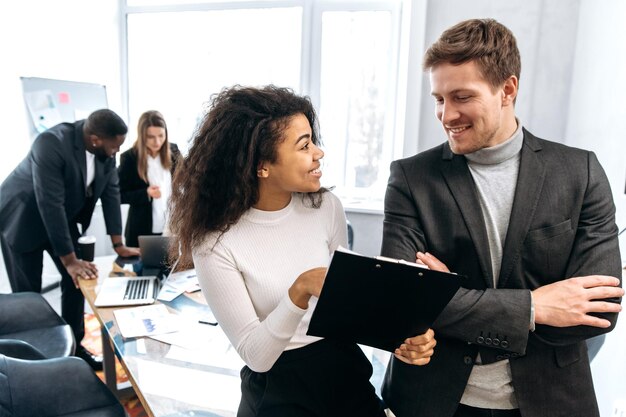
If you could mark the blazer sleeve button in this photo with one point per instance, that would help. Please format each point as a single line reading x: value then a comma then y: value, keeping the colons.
x: 467, y: 360
x: 504, y: 344
x: 496, y: 341
x: 487, y: 341
x: 480, y: 339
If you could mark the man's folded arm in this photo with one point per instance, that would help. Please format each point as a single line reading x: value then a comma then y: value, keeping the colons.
x: 595, y: 252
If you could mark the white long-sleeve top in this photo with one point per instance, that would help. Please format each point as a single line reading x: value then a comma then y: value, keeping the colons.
x: 160, y: 176
x: 246, y: 276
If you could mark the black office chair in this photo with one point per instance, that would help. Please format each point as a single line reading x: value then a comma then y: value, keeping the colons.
x: 53, y: 388
x: 350, y: 235
x: 28, y: 317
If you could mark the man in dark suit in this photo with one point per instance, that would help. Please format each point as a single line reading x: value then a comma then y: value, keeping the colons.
x: 528, y: 221
x: 69, y: 167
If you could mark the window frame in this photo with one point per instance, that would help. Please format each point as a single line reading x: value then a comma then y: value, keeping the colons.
x: 394, y: 7
x: 403, y: 15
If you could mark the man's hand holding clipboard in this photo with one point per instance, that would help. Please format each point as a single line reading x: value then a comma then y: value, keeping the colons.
x: 380, y: 302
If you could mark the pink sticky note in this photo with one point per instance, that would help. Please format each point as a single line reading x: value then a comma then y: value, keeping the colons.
x: 64, y: 98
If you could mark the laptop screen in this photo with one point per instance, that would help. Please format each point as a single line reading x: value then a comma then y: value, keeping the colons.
x: 154, y: 251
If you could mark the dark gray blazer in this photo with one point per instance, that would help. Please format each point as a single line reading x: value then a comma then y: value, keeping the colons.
x: 562, y: 225
x: 134, y: 191
x: 44, y: 198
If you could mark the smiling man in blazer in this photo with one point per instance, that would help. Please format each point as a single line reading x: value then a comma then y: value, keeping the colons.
x: 528, y: 221
x: 53, y: 190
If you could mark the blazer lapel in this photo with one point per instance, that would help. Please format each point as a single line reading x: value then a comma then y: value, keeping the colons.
x: 529, y: 184
x: 461, y: 185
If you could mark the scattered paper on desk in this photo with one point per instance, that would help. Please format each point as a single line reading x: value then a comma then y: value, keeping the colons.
x: 178, y: 283
x: 202, y: 344
x: 183, y: 280
x: 192, y: 335
x: 193, y: 288
x: 140, y: 345
x: 167, y: 293
x: 216, y: 356
x: 146, y: 321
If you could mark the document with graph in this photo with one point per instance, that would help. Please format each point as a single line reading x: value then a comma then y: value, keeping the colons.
x: 146, y: 321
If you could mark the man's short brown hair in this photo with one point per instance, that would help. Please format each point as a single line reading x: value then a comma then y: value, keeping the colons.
x: 489, y: 43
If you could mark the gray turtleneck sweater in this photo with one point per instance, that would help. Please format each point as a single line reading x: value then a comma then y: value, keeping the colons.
x: 495, y: 172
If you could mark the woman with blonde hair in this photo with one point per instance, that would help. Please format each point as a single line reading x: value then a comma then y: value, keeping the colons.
x: 145, y: 173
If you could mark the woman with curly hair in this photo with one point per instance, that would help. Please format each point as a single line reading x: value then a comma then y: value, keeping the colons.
x: 248, y: 207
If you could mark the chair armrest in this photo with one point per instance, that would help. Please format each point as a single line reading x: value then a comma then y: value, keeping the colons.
x: 20, y: 350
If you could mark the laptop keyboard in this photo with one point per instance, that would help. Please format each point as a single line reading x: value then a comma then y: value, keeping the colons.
x: 136, y: 289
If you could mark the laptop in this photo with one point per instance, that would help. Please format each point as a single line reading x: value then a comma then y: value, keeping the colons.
x: 127, y: 291
x: 140, y: 290
x: 153, y: 250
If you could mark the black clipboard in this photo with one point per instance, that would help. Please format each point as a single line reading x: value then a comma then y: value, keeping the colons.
x: 379, y: 302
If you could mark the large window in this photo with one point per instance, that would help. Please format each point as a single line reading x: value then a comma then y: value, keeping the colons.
x: 343, y: 54
x: 177, y: 60
x: 356, y: 103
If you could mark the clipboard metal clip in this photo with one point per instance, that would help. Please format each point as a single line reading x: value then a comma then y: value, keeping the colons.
x: 399, y: 261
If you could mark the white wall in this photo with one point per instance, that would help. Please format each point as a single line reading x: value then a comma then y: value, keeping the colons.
x: 597, y: 112
x: 546, y: 36
x: 64, y: 39
x: 597, y: 109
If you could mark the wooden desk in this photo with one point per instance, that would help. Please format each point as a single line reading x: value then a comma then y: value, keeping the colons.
x: 170, y: 380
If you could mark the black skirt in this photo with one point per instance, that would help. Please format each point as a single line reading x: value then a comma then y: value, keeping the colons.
x: 323, y: 379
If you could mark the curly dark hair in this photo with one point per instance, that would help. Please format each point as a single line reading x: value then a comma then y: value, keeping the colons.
x: 217, y: 181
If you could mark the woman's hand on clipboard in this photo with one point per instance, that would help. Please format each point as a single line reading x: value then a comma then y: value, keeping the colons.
x: 308, y: 284
x: 417, y: 350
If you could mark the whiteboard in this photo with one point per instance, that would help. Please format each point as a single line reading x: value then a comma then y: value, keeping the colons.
x: 49, y: 102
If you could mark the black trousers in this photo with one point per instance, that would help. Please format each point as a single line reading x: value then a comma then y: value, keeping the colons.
x: 323, y: 379
x: 24, y: 271
x: 467, y: 411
